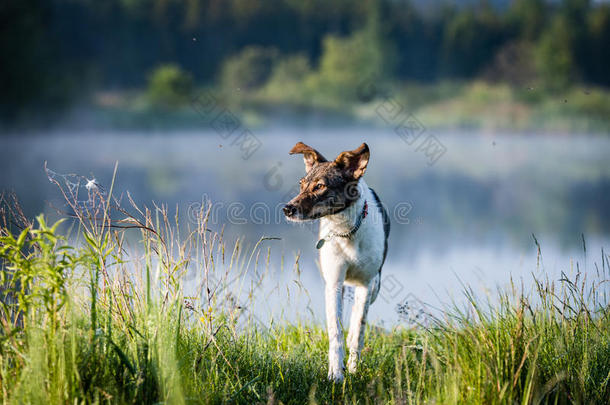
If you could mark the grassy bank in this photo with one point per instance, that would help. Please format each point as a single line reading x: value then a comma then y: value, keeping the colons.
x: 472, y: 106
x: 104, y: 318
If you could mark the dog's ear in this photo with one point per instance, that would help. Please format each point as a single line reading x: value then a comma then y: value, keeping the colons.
x: 354, y: 162
x: 311, y: 156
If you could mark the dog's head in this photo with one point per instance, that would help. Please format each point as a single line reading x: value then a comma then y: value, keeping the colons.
x: 328, y: 187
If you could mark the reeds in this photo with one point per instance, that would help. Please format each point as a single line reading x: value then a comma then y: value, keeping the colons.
x: 100, y: 315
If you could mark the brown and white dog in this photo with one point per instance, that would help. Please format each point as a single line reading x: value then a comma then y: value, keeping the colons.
x: 354, y: 229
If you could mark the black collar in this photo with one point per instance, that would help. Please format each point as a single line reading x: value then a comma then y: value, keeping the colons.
x: 351, y: 232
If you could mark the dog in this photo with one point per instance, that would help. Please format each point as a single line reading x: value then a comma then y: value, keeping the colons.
x: 354, y: 230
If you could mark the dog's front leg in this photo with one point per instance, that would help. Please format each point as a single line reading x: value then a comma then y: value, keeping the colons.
x: 357, y: 324
x: 334, y: 304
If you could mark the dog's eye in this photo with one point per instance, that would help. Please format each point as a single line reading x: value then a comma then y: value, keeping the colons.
x: 318, y: 187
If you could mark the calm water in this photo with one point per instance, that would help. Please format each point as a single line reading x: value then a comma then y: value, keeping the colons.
x: 469, y: 217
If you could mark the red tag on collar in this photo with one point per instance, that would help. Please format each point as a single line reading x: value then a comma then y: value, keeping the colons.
x: 366, y: 209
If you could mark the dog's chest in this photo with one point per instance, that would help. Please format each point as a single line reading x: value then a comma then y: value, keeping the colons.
x: 357, y: 251
x: 360, y: 257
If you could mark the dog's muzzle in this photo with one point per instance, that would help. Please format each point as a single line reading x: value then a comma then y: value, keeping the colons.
x: 289, y: 210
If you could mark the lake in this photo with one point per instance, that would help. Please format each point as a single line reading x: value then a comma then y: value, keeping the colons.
x: 465, y: 212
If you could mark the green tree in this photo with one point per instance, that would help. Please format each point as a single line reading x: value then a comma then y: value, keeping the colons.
x: 599, y: 45
x: 288, y: 77
x: 346, y: 62
x: 555, y: 56
x: 169, y: 86
x: 36, y: 73
x: 249, y: 69
x: 528, y: 18
x: 471, y: 38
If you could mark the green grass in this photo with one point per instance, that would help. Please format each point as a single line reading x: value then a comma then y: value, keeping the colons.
x: 103, y: 319
x: 496, y: 107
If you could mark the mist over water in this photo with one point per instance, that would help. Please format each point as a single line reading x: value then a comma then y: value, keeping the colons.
x: 469, y: 217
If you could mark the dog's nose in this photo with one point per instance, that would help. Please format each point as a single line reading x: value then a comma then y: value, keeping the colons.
x: 289, y: 210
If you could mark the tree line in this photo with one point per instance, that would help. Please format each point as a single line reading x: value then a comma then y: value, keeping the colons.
x: 56, y: 52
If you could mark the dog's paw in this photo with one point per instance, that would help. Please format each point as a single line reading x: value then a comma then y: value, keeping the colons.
x: 335, y: 374
x: 352, y: 361
x: 352, y: 364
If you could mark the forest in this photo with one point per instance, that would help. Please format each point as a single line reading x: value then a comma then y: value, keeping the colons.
x: 61, y: 53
